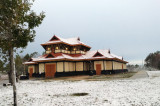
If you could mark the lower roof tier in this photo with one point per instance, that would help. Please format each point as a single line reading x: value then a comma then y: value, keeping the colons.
x: 89, y: 56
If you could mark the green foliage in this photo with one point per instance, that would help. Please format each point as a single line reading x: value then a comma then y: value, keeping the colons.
x: 153, y: 60
x: 19, y: 64
x: 19, y: 60
x: 17, y: 23
x: 29, y: 56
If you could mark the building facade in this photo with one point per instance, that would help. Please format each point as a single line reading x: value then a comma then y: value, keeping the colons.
x: 66, y: 57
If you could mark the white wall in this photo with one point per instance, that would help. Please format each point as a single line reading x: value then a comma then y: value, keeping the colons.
x: 108, y: 65
x: 41, y: 68
x: 59, y: 66
x: 79, y: 66
x: 124, y: 66
x: 117, y: 65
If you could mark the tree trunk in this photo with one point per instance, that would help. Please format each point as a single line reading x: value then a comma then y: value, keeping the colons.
x: 13, y: 76
x: 10, y: 77
x: 10, y: 71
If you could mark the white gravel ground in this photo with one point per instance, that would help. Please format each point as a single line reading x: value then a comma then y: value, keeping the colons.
x: 153, y: 73
x: 139, y: 92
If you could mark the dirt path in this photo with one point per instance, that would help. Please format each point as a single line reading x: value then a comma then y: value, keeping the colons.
x: 140, y: 74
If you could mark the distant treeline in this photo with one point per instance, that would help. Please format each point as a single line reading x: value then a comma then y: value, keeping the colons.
x: 19, y: 60
x: 153, y: 60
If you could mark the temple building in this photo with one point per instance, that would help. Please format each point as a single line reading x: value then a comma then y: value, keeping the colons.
x: 66, y: 57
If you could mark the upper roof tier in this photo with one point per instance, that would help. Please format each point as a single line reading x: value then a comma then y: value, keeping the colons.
x: 70, y: 41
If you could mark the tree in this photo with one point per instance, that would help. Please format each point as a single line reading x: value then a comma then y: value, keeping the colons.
x: 153, y: 60
x: 29, y: 56
x: 17, y: 23
x: 19, y: 60
x: 19, y: 64
x: 1, y: 65
x: 132, y: 67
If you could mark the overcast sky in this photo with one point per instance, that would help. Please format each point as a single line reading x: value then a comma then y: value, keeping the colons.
x: 129, y: 28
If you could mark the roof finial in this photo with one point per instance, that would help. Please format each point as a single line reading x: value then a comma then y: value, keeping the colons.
x: 109, y: 51
x: 78, y: 38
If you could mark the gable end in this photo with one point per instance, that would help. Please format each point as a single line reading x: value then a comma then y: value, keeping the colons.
x: 97, y: 54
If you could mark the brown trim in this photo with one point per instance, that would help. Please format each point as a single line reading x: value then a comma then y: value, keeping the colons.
x: 38, y: 68
x: 63, y: 66
x: 122, y: 66
x: 75, y: 66
x: 44, y: 67
x: 103, y: 65
x: 93, y: 65
x: 112, y: 65
x: 56, y: 66
x: 99, y: 59
x: 83, y: 65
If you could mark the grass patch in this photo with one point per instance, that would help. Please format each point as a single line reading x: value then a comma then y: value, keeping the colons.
x: 128, y: 74
x: 47, y: 80
x: 79, y: 94
x: 111, y: 77
x: 94, y: 77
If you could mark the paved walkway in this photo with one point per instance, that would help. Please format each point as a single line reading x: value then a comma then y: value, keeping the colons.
x: 140, y: 74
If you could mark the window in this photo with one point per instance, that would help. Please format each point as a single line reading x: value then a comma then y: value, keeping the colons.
x: 57, y: 48
x: 48, y: 48
x: 74, y: 49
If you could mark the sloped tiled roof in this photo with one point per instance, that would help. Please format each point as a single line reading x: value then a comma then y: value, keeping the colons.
x: 88, y: 56
x: 69, y: 41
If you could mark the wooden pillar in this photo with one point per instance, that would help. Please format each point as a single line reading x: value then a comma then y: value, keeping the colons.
x: 83, y: 65
x: 93, y: 65
x: 44, y: 68
x: 56, y: 66
x: 75, y: 66
x: 112, y: 64
x: 63, y: 66
x: 122, y: 66
x: 103, y: 65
